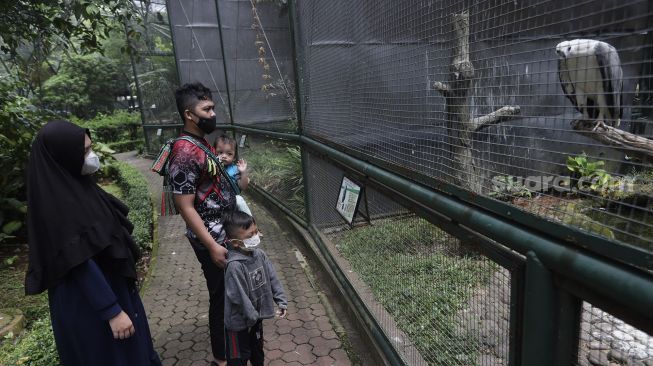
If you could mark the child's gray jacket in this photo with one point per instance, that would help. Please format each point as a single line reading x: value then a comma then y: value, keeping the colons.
x: 251, y: 290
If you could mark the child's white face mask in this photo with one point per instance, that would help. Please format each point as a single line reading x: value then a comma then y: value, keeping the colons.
x: 91, y: 163
x: 252, y: 242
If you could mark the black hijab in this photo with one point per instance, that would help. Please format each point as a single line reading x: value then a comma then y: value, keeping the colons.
x: 70, y: 219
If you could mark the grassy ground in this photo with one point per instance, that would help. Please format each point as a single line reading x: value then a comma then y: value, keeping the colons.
x: 407, y: 267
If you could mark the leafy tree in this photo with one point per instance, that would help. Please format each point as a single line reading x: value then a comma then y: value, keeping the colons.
x: 19, y: 121
x: 85, y: 85
x: 60, y: 21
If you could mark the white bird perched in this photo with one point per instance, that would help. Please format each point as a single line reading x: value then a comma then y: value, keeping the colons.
x: 591, y: 77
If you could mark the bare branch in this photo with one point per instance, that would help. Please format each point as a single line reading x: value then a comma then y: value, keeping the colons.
x: 618, y: 139
x: 495, y: 117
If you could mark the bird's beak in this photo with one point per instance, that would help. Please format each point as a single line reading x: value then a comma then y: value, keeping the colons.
x: 561, y: 53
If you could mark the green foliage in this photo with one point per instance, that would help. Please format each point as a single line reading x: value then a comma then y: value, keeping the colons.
x: 423, y: 288
x: 105, y: 154
x: 12, y: 279
x: 35, y: 348
x: 112, y: 189
x: 590, y: 176
x: 63, y: 22
x: 127, y: 145
x: 277, y: 168
x: 120, y: 131
x: 85, y: 85
x: 19, y: 122
x: 137, y: 197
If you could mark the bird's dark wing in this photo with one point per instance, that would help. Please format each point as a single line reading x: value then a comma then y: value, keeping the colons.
x: 610, y: 67
x: 567, y: 85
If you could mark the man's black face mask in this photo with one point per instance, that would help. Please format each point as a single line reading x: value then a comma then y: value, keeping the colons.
x: 207, y: 125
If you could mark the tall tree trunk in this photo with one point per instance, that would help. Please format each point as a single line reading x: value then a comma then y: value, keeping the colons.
x: 460, y: 125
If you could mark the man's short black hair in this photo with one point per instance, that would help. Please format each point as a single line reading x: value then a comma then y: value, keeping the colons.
x: 188, y: 95
x: 234, y: 220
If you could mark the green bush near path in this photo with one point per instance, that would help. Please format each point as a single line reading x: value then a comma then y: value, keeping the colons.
x: 135, y: 195
x: 121, y: 130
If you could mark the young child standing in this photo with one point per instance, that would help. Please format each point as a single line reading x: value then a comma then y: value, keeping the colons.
x: 225, y: 148
x: 251, y: 290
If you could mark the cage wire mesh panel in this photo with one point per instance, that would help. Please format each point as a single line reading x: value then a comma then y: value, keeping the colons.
x: 155, y: 73
x: 258, y: 53
x: 607, y: 340
x: 542, y: 104
x: 276, y: 167
x: 438, y: 301
x: 196, y: 34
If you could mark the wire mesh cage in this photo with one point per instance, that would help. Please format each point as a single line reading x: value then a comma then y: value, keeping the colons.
x: 542, y: 104
x: 155, y: 73
x: 241, y: 50
x: 541, y: 108
x: 439, y: 301
x: 275, y: 167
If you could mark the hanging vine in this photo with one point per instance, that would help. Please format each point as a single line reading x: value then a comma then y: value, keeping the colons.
x: 270, y: 86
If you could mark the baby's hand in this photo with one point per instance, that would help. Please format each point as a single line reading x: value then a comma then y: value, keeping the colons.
x: 242, y: 165
x: 281, y: 313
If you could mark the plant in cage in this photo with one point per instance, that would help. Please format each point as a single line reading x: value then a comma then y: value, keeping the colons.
x: 588, y: 175
x: 276, y: 168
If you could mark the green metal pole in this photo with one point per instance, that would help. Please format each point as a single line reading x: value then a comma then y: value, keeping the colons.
x: 306, y: 180
x: 540, y: 315
x: 174, y: 44
x: 298, y: 104
x: 224, y: 64
x: 569, y: 312
x: 139, y: 94
x: 294, y: 41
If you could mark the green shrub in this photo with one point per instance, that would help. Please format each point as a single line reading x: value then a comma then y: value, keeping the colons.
x: 594, y: 178
x: 137, y: 197
x: 276, y: 167
x: 35, y: 348
x: 85, y: 85
x: 126, y: 145
x: 19, y: 122
x: 112, y: 128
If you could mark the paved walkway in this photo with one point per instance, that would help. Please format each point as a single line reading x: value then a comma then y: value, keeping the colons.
x: 176, y: 298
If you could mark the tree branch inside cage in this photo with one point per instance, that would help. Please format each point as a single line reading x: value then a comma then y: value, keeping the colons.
x: 460, y: 124
x: 627, y: 142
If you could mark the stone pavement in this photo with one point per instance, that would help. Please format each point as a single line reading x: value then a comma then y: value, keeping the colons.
x: 176, y: 298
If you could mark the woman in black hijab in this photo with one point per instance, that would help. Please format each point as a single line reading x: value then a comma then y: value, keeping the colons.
x: 82, y: 252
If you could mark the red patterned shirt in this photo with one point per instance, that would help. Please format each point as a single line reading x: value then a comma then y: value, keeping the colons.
x: 188, y: 174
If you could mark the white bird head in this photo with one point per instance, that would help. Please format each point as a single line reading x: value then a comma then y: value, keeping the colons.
x: 574, y: 47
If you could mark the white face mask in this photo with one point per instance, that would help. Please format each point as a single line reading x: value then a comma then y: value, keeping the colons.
x: 91, y: 163
x: 252, y: 242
